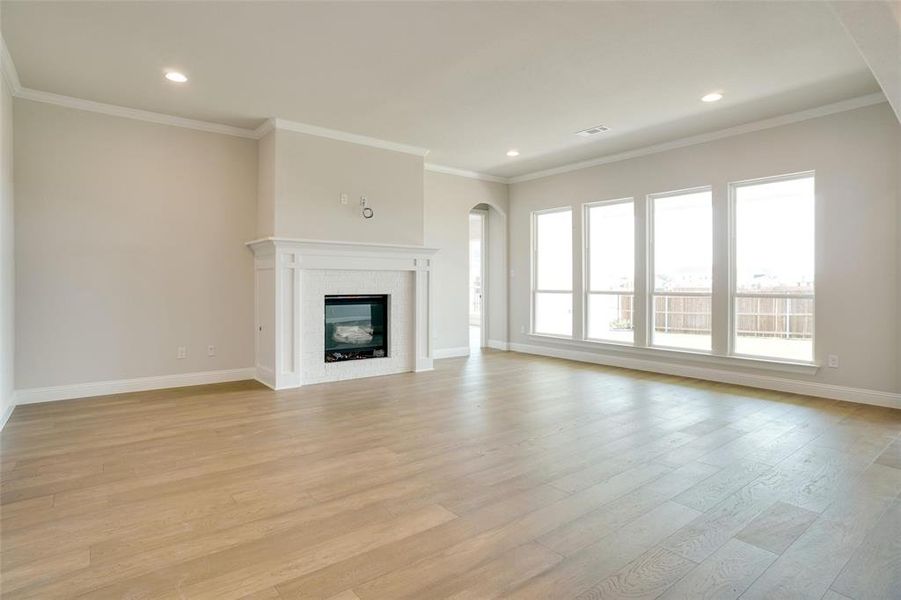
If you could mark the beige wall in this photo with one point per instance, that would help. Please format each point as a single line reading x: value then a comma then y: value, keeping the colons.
x: 312, y: 172
x: 448, y: 200
x: 496, y: 278
x: 856, y: 158
x: 266, y: 186
x: 7, y: 250
x: 130, y: 236
x: 129, y: 243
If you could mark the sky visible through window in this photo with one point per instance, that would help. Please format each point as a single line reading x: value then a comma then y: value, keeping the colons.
x: 775, y: 236
x: 683, y: 243
x: 554, y: 232
x: 774, y: 270
x: 554, y: 273
x: 612, y: 246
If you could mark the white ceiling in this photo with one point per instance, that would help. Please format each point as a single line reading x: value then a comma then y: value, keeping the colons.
x: 466, y: 80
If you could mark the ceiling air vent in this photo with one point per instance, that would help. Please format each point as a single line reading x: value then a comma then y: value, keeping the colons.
x: 593, y: 131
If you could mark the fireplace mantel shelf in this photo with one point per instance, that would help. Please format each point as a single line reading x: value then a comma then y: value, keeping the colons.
x: 319, y: 246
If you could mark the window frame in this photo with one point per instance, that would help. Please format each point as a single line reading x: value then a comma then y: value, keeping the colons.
x: 534, y: 272
x: 650, y: 281
x: 733, y: 292
x: 586, y: 269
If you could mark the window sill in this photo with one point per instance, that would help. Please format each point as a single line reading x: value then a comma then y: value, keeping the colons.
x: 693, y: 356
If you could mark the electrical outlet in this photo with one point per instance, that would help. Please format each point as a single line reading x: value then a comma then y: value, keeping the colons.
x: 344, y: 199
x: 832, y: 361
x: 211, y: 350
x: 181, y: 352
x: 522, y: 328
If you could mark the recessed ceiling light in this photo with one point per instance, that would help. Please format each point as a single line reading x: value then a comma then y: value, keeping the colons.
x: 176, y: 77
x: 512, y: 153
x: 712, y: 97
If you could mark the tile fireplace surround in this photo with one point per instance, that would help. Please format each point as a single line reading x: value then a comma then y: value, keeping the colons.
x: 292, y: 278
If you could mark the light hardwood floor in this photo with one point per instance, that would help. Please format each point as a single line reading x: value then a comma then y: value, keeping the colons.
x: 501, y: 475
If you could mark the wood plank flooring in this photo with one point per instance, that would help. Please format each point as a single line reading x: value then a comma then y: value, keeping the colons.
x: 501, y: 475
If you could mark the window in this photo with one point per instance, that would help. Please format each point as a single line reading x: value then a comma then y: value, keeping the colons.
x: 552, y: 272
x: 773, y: 268
x: 765, y: 264
x: 610, y: 249
x: 682, y: 269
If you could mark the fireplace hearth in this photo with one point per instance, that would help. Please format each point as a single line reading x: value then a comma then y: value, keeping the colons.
x: 356, y: 327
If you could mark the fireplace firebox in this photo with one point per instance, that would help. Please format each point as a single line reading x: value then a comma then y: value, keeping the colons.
x: 356, y: 327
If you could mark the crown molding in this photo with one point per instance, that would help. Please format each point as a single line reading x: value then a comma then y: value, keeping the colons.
x: 11, y: 76
x: 796, y: 117
x: 8, y: 68
x: 132, y: 113
x: 164, y: 119
x: 342, y: 136
x: 463, y: 173
x: 264, y: 128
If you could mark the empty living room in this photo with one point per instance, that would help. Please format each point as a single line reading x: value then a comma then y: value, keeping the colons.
x: 371, y: 300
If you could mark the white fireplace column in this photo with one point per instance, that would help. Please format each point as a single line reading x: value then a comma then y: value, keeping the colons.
x: 279, y: 298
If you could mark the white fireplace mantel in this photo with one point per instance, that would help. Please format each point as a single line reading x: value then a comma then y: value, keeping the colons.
x: 278, y: 266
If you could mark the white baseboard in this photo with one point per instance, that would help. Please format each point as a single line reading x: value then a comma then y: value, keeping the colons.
x: 264, y: 382
x: 767, y: 382
x: 8, y: 412
x: 424, y: 364
x: 121, y: 386
x: 265, y: 376
x: 498, y: 345
x: 451, y: 352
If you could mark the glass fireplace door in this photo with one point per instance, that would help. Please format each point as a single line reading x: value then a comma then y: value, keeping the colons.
x: 356, y: 327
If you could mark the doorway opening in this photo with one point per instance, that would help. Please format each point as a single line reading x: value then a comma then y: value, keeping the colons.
x: 477, y: 278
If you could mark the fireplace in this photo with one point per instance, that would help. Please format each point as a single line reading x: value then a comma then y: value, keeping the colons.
x: 293, y: 278
x: 356, y: 327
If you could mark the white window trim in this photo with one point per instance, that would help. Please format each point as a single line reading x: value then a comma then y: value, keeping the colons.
x: 733, y: 278
x: 648, y: 317
x: 484, y: 326
x: 534, y: 271
x: 586, y: 270
x: 643, y: 347
x: 688, y: 355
